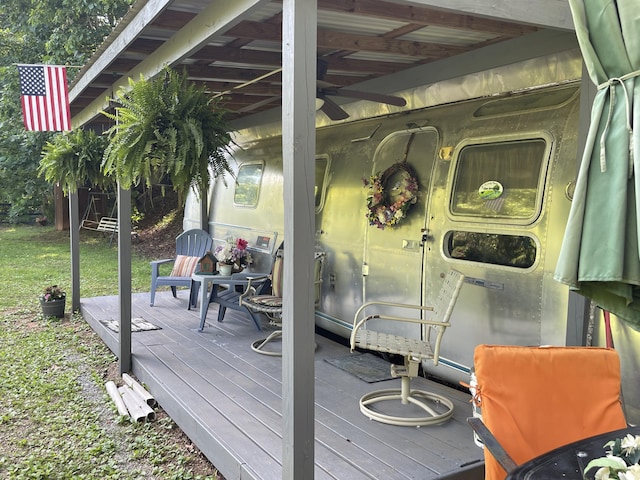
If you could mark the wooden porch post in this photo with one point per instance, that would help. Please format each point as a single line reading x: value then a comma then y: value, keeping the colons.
x: 299, y: 26
x: 124, y: 277
x: 74, y: 245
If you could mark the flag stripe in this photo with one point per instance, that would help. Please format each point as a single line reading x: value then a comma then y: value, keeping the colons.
x: 45, y: 98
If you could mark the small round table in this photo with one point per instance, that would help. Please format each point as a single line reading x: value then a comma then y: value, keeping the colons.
x: 205, y: 279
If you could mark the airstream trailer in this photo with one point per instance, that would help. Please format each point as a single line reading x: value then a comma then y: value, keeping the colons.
x: 495, y: 157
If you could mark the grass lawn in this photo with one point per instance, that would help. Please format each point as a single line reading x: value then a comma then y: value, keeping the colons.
x: 56, y: 419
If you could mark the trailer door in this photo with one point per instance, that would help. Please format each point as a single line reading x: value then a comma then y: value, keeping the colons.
x: 393, y: 258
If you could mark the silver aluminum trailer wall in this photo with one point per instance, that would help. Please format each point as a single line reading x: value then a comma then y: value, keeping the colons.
x: 452, y: 133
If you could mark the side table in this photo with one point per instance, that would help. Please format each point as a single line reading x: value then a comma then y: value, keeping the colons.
x: 205, y: 280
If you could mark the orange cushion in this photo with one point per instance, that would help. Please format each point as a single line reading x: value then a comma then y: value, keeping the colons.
x: 184, y: 266
x: 535, y: 399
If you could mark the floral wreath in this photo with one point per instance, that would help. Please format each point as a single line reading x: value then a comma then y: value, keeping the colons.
x: 384, y: 210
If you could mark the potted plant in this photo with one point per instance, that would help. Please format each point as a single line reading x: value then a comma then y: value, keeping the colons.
x: 621, y: 461
x: 232, y: 255
x: 73, y: 158
x: 168, y: 127
x: 52, y: 301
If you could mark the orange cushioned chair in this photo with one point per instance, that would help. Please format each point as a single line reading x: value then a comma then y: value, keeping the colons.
x: 535, y: 399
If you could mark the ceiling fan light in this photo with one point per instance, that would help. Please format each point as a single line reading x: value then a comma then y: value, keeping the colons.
x: 319, y: 103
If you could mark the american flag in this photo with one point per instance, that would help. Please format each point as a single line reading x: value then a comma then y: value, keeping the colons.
x: 44, y: 96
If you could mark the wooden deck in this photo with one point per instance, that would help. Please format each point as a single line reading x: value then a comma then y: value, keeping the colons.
x: 227, y: 399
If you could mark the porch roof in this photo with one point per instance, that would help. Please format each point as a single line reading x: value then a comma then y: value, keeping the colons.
x: 235, y: 48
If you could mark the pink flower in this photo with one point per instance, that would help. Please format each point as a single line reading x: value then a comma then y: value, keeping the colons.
x: 241, y: 244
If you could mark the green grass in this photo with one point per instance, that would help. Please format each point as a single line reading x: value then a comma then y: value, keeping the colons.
x: 56, y: 420
x: 35, y: 257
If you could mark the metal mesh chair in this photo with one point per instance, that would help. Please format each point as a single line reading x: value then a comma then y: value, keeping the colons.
x: 271, y: 304
x: 437, y: 407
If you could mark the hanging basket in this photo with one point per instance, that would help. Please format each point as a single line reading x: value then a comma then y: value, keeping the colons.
x: 53, y: 308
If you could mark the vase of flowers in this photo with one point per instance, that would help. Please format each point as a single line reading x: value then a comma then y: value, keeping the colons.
x: 53, y: 301
x: 232, y: 255
x: 620, y: 462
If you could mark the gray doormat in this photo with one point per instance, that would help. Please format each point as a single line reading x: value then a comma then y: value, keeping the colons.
x: 366, y: 366
x: 137, y: 325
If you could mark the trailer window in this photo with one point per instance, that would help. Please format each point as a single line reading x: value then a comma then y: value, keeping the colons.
x: 508, y: 250
x: 499, y: 180
x: 248, y: 182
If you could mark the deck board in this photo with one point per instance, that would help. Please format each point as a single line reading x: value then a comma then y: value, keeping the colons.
x: 228, y: 399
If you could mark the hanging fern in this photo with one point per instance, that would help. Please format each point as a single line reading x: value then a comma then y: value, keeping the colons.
x: 73, y: 159
x: 167, y: 126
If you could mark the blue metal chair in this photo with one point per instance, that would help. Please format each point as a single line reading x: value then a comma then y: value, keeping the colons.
x: 191, y: 245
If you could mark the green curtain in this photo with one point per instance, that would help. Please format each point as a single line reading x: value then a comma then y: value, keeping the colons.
x: 599, y: 257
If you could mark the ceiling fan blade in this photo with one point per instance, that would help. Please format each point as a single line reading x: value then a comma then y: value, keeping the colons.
x: 332, y: 109
x: 371, y: 96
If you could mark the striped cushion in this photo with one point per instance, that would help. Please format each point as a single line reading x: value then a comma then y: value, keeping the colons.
x: 267, y: 300
x: 184, y: 266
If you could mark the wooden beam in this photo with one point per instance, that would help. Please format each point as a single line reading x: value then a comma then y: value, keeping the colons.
x: 425, y: 16
x: 173, y: 19
x: 215, y: 18
x: 130, y: 27
x: 347, y: 41
x: 553, y: 14
x: 367, y: 43
x: 272, y: 60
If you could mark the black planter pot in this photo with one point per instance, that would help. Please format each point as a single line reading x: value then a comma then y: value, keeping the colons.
x: 53, y: 308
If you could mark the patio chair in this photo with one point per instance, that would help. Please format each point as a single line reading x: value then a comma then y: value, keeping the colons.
x: 437, y: 407
x: 191, y: 245
x: 536, y: 399
x: 270, y: 304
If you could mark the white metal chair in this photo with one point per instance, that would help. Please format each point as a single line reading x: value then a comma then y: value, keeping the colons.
x: 437, y: 407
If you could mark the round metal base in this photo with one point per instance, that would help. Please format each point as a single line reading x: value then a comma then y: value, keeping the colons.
x: 431, y: 403
x: 258, y: 345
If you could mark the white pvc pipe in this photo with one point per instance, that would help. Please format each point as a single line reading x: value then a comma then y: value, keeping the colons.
x: 112, y: 390
x: 144, y: 406
x: 131, y: 400
x: 140, y: 390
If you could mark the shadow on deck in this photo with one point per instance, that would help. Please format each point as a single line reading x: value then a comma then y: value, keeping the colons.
x: 227, y: 400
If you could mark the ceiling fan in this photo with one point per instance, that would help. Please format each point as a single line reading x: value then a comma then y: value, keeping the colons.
x: 332, y: 109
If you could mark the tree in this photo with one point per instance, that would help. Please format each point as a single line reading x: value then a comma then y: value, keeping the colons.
x: 63, y: 32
